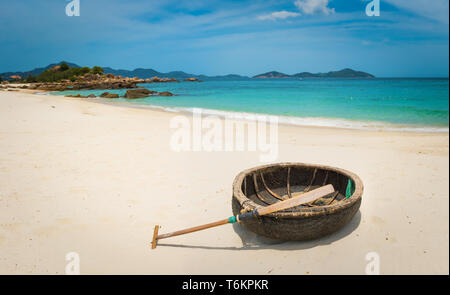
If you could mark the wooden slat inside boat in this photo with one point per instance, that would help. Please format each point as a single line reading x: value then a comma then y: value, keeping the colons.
x: 265, y: 185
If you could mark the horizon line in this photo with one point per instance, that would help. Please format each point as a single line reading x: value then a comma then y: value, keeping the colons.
x: 248, y: 76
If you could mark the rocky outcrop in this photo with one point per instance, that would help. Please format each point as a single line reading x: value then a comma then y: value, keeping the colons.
x: 192, y: 80
x: 139, y: 93
x: 90, y: 81
x: 160, y: 80
x: 62, y: 86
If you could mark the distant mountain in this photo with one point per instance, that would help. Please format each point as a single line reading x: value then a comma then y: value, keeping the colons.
x: 345, y: 73
x: 180, y: 75
x: 36, y: 71
x: 273, y: 74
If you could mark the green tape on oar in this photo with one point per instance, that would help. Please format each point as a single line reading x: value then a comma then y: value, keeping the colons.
x: 232, y: 219
x: 350, y: 189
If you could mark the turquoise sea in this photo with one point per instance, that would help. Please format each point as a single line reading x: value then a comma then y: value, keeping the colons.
x: 394, y: 104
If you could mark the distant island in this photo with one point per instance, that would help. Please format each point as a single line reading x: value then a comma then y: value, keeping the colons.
x: 180, y: 75
x: 345, y: 73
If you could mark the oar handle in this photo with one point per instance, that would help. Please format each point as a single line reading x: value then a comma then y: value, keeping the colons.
x: 232, y: 219
x: 193, y: 229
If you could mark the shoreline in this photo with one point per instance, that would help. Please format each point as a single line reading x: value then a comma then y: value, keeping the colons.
x: 313, y: 122
x: 164, y: 110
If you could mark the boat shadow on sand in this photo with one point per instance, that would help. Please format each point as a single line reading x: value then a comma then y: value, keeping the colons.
x: 252, y: 241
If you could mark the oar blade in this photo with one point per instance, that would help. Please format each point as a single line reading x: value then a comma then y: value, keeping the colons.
x: 299, y: 200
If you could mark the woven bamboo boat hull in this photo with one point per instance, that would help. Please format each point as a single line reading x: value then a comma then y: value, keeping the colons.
x: 265, y: 185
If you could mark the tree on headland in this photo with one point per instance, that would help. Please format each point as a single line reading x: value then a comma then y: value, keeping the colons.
x: 97, y: 70
x: 64, y: 67
x: 83, y: 70
x: 30, y: 79
x: 63, y: 72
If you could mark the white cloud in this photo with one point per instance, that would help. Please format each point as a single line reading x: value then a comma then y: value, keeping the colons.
x: 314, y: 6
x: 278, y: 15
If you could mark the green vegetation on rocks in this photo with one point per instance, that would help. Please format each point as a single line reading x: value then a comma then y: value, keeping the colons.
x: 63, y: 72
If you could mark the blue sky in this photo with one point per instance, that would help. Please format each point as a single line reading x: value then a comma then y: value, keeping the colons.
x: 410, y: 38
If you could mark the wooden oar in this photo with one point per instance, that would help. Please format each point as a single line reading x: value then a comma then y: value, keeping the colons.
x: 286, y: 204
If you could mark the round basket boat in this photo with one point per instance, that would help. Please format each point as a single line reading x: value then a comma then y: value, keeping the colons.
x: 265, y: 185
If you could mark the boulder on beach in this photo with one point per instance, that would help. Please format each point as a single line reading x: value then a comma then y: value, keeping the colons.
x: 91, y: 95
x: 112, y: 95
x: 139, y: 93
x: 109, y: 95
x: 165, y: 93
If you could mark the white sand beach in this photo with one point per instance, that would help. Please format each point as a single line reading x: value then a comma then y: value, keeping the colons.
x: 91, y: 178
